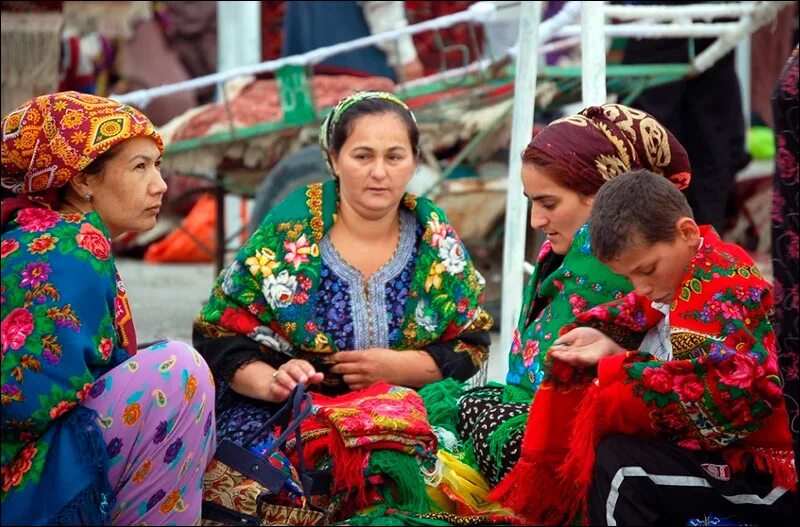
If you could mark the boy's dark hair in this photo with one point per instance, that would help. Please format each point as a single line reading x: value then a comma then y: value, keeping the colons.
x: 344, y: 127
x: 635, y: 207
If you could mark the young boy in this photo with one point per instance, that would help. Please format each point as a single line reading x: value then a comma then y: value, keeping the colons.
x: 693, y: 424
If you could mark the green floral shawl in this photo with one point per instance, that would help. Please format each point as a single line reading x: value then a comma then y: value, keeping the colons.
x: 269, y: 292
x: 579, y: 283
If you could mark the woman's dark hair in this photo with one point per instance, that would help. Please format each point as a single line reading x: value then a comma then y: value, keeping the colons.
x: 344, y: 127
x: 95, y: 168
x: 585, y: 186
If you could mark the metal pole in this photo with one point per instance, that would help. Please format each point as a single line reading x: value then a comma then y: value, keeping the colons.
x: 743, y: 72
x: 593, y: 53
x: 239, y: 35
x: 516, y: 206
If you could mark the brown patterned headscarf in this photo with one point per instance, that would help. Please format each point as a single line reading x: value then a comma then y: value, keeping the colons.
x: 600, y: 142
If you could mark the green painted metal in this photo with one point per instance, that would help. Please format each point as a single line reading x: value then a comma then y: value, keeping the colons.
x: 296, y: 97
x: 297, y: 101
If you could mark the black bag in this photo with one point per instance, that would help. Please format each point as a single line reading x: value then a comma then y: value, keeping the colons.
x: 242, y: 488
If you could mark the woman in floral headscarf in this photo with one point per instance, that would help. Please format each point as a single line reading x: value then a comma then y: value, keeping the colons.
x: 92, y: 431
x: 346, y: 283
x: 564, y: 166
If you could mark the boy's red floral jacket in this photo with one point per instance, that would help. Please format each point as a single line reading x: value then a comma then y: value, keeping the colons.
x: 721, y: 390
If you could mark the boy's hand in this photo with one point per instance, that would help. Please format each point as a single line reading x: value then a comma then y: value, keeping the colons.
x: 582, y: 347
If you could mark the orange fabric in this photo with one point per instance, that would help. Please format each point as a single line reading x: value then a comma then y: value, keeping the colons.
x: 183, y: 245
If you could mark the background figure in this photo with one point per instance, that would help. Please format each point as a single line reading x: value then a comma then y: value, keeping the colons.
x: 705, y: 114
x: 191, y: 30
x: 307, y: 26
x: 785, y: 233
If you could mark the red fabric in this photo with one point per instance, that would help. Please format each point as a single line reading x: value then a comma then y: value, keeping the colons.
x: 730, y: 378
x: 350, y: 426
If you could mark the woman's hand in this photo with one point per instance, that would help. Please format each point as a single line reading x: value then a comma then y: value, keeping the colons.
x: 259, y: 380
x: 363, y: 368
x: 582, y: 347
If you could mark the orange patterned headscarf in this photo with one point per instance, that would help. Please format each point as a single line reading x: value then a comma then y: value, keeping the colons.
x: 51, y: 138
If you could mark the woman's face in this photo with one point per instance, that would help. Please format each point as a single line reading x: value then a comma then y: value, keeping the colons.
x: 374, y: 165
x: 559, y: 212
x: 127, y: 194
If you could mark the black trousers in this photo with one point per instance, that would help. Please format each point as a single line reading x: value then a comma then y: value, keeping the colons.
x: 649, y: 482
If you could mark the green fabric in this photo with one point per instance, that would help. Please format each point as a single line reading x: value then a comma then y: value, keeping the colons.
x: 441, y: 403
x: 408, y: 490
x: 579, y: 283
x: 269, y: 292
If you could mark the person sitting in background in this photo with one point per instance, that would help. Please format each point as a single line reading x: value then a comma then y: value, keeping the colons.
x: 696, y: 426
x: 347, y: 282
x: 93, y: 431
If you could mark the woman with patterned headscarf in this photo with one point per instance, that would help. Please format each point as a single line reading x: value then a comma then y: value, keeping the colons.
x: 346, y: 283
x: 93, y: 431
x: 563, y: 168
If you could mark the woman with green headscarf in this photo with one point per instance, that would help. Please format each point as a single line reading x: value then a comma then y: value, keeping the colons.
x: 346, y: 283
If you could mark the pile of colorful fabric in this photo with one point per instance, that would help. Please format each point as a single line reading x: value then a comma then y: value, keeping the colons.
x: 388, y: 465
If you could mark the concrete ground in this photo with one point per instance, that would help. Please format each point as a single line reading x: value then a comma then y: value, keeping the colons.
x: 166, y: 298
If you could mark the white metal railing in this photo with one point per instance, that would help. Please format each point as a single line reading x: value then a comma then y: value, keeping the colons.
x: 478, y: 12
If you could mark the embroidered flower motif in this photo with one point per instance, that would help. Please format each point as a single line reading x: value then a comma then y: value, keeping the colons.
x: 516, y: 343
x: 191, y: 388
x: 15, y: 328
x: 105, y: 348
x: 427, y: 321
x: 451, y: 252
x: 172, y: 500
x: 34, y: 274
x: 42, y: 244
x: 94, y: 241
x: 657, y: 379
x: 279, y: 291
x: 83, y: 392
x: 8, y: 246
x: 689, y: 387
x: 741, y: 370
x: 37, y: 219
x: 297, y: 252
x: 434, y: 279
x: 173, y: 450
x: 263, y: 262
x: 269, y: 338
x: 62, y: 408
x: 114, y: 447
x: 161, y: 432
x: 578, y: 303
x: 142, y: 472
x: 438, y: 230
x: 155, y: 498
x: 13, y: 472
x: 131, y: 414
x: 530, y: 351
